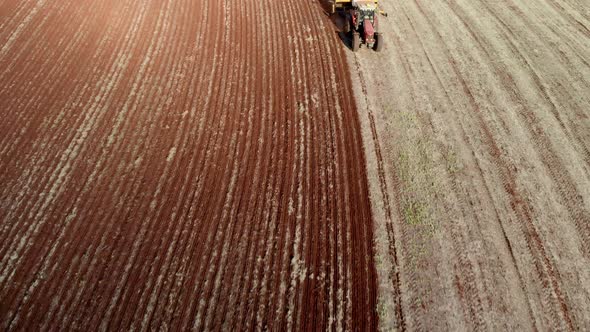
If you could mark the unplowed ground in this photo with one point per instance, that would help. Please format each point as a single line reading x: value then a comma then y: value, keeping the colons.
x: 180, y: 164
x: 477, y: 130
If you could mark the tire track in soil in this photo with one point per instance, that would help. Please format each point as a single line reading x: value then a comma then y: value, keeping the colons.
x: 392, y: 251
x: 464, y: 275
x: 566, y: 185
x: 519, y: 206
x: 491, y: 85
x: 460, y: 284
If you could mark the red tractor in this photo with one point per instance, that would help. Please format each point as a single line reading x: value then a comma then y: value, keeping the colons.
x: 361, y: 23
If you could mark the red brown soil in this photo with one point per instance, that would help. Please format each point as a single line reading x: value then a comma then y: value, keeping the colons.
x: 180, y: 164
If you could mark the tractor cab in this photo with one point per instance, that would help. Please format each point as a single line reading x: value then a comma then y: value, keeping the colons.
x: 366, y: 11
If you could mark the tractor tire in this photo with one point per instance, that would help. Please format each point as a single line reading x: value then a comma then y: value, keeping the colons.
x: 378, y: 42
x: 347, y: 24
x: 356, y: 41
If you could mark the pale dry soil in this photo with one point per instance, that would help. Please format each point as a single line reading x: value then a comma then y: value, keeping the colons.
x: 477, y: 136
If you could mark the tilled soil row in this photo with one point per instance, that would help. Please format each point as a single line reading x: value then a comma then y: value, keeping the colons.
x: 180, y: 164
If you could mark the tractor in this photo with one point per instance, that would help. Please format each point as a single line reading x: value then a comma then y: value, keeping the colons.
x: 361, y: 23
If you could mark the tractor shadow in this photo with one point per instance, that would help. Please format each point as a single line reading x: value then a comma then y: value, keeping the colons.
x: 338, y: 20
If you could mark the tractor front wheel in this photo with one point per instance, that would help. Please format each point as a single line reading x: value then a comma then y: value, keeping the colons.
x: 356, y: 41
x: 378, y: 42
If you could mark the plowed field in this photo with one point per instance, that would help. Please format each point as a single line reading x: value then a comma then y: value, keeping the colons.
x: 477, y: 124
x: 180, y: 164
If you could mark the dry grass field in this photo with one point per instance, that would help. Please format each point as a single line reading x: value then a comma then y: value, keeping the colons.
x: 477, y: 132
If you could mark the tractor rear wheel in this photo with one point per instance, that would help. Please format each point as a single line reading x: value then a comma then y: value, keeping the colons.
x: 378, y: 42
x: 347, y: 24
x: 356, y: 41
